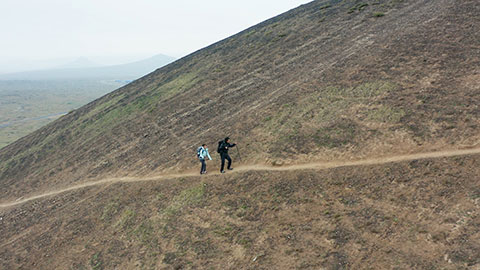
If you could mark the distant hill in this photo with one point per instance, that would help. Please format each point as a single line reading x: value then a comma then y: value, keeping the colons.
x: 81, y: 62
x: 83, y: 69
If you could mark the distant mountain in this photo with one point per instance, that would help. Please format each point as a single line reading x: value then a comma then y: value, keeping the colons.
x: 81, y: 62
x: 75, y: 71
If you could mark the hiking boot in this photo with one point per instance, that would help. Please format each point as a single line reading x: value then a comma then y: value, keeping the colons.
x: 230, y: 169
x: 222, y: 171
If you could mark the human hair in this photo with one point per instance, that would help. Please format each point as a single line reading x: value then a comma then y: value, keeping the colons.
x: 204, y: 145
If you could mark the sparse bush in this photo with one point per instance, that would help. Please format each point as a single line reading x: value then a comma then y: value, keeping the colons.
x: 96, y: 261
x: 223, y: 231
x: 127, y: 220
x: 245, y: 242
x: 170, y: 258
x: 145, y: 233
x: 362, y: 6
x: 359, y: 7
x: 187, y: 197
x: 386, y: 114
x: 109, y: 211
x: 378, y: 14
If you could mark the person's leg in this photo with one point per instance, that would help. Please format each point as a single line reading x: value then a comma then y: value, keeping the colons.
x: 204, y: 166
x: 222, y: 157
x: 229, y: 162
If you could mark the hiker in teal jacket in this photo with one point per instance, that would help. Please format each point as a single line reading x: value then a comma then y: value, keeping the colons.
x: 202, y: 154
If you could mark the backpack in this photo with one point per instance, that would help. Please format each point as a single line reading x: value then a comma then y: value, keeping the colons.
x: 219, y: 148
x: 199, y: 150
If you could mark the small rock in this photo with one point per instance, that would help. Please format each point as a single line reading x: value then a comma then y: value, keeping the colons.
x: 277, y: 163
x: 258, y: 257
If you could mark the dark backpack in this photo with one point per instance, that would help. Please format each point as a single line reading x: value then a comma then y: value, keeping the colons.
x: 219, y: 148
x: 198, y: 151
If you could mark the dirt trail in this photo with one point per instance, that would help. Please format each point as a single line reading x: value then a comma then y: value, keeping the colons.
x: 326, y: 165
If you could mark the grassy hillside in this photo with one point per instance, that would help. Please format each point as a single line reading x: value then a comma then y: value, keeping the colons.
x: 329, y: 80
x: 421, y: 214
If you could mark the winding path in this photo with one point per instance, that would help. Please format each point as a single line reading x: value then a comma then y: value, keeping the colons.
x: 326, y: 165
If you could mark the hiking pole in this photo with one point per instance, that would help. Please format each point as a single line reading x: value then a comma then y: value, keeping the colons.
x: 239, y: 157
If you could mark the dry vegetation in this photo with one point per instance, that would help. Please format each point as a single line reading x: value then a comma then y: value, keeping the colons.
x: 317, y: 83
x: 421, y: 214
x: 331, y: 80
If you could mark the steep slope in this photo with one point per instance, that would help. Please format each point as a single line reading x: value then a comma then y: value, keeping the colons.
x: 329, y: 80
x: 248, y: 168
x: 420, y: 214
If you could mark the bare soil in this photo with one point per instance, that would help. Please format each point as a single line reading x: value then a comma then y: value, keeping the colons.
x: 416, y: 214
x: 382, y: 160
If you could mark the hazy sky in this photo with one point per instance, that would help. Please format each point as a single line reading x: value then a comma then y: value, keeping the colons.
x: 110, y: 31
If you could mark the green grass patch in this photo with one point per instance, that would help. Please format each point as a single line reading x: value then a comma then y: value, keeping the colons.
x: 96, y: 261
x: 127, y: 220
x: 335, y: 135
x: 145, y: 233
x: 224, y: 231
x: 359, y: 7
x: 188, y: 197
x: 183, y: 82
x: 109, y: 211
x: 378, y: 14
x: 324, y: 106
x: 245, y: 242
x: 365, y: 90
x: 385, y: 114
x: 318, y: 119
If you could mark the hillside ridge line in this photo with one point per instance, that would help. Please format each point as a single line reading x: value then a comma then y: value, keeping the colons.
x: 318, y: 165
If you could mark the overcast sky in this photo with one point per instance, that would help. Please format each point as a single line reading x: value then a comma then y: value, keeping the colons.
x: 112, y: 31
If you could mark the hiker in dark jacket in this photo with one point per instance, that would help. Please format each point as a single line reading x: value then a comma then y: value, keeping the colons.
x: 223, y: 151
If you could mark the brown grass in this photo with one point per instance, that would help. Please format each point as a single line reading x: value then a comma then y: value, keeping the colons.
x: 286, y: 90
x: 411, y: 215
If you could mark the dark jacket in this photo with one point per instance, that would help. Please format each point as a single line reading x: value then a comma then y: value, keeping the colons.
x: 224, y: 146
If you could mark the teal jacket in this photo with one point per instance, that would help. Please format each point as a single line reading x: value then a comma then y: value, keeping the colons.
x: 203, y: 153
